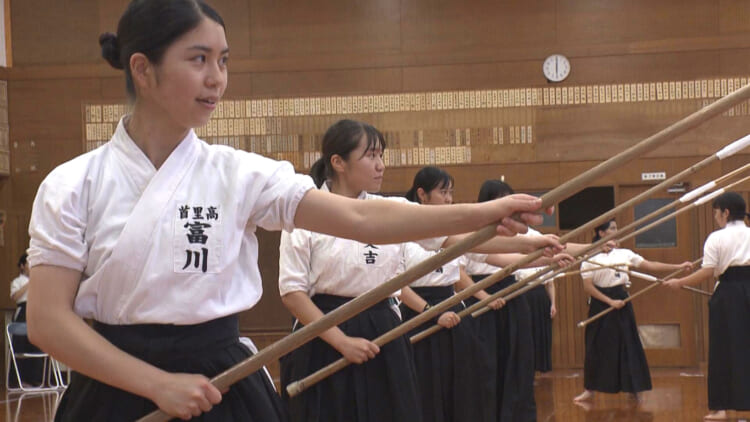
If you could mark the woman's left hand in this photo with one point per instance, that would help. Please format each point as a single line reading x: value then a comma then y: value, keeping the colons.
x: 449, y: 319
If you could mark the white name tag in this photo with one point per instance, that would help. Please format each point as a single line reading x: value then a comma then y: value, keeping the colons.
x: 197, y: 238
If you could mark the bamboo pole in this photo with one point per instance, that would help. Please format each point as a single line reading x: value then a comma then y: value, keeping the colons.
x: 507, y: 292
x: 357, y: 305
x: 576, y: 272
x: 696, y: 203
x: 297, y: 387
x: 649, y: 278
x: 691, y: 196
x: 630, y: 298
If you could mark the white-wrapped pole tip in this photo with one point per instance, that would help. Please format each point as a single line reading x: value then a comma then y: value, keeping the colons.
x: 646, y: 277
x: 709, y: 197
x: 733, y: 148
x: 688, y: 197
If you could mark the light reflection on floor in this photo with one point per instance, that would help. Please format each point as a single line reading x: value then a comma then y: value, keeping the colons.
x: 678, y: 395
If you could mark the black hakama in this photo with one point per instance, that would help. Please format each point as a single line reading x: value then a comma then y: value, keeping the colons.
x: 381, y: 389
x: 729, y: 342
x: 208, y: 348
x: 452, y: 370
x: 506, y: 335
x: 615, y: 360
x: 541, y: 324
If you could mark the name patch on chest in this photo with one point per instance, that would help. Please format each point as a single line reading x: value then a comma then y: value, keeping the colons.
x: 197, y: 245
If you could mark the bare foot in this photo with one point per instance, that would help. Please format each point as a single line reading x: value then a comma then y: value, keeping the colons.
x: 585, y: 405
x: 719, y: 415
x: 638, y: 398
x: 586, y: 395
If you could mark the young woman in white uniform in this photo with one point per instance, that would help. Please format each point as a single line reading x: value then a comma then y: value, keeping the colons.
x: 318, y: 273
x: 541, y: 299
x: 726, y: 256
x: 615, y: 360
x: 450, y: 365
x: 152, y: 235
x: 506, y: 335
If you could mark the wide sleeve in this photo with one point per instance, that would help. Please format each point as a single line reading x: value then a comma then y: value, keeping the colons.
x: 586, y: 268
x: 58, y: 225
x: 711, y: 252
x: 295, y: 252
x: 279, y: 194
x: 634, y: 260
x: 17, y: 284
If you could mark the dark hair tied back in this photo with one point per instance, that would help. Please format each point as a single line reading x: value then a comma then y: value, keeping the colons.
x: 429, y: 178
x: 734, y: 203
x: 111, y: 49
x: 149, y: 27
x: 493, y: 189
x: 601, y: 228
x: 341, y: 139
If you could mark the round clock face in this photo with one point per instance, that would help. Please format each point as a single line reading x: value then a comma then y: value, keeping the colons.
x: 556, y: 67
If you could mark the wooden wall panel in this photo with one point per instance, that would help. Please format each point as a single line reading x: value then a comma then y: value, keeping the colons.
x: 734, y: 62
x: 73, y: 31
x: 732, y: 16
x: 109, y: 15
x: 341, y: 27
x: 472, y: 76
x: 318, y: 83
x: 236, y: 16
x: 453, y: 26
x: 651, y: 67
x: 337, y: 47
x: 632, y: 21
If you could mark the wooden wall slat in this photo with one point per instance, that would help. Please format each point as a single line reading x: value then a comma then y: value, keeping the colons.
x: 72, y: 30
x: 633, y: 21
x: 293, y: 28
x: 338, y: 47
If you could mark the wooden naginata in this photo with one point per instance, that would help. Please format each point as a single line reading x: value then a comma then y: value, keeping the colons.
x: 307, y: 333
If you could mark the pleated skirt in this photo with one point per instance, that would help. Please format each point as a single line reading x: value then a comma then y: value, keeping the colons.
x: 452, y: 368
x: 208, y: 348
x: 615, y: 360
x: 381, y: 389
x: 541, y: 327
x: 729, y: 342
x: 505, y: 334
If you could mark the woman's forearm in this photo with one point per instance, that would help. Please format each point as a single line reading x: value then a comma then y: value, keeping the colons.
x: 413, y: 300
x: 385, y: 221
x: 56, y: 329
x: 591, y: 290
x: 550, y: 288
x: 303, y: 308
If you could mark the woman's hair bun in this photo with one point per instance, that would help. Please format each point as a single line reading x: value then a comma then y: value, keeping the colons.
x: 111, y: 49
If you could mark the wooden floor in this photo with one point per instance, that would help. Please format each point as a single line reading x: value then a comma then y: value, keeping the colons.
x: 678, y: 395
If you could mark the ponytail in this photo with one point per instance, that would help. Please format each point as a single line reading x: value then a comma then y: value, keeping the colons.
x: 341, y: 139
x: 319, y: 172
x: 411, y: 194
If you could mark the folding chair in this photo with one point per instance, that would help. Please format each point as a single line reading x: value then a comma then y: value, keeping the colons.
x: 47, y: 399
x: 51, y: 375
